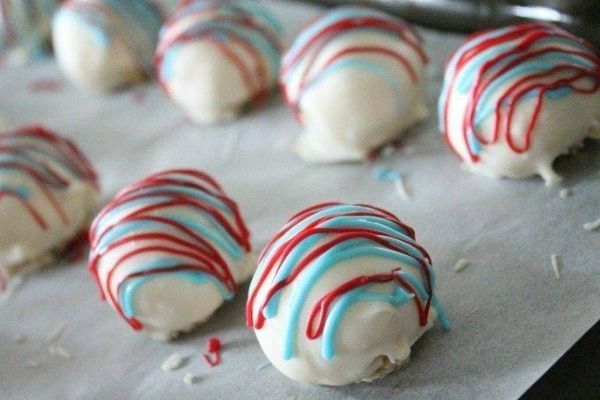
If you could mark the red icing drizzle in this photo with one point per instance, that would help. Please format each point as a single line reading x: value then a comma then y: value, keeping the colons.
x: 39, y: 149
x: 526, y: 37
x: 167, y: 236
x: 258, y: 67
x: 312, y: 48
x: 332, y: 238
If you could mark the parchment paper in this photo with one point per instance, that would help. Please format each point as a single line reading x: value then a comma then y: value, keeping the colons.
x: 511, y: 318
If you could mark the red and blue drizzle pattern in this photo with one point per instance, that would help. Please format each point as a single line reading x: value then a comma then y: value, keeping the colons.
x: 226, y: 25
x: 321, y: 238
x: 40, y: 160
x: 297, y: 74
x: 498, y: 70
x: 177, y: 223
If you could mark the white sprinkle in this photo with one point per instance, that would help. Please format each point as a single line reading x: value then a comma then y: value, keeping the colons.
x: 592, y: 226
x: 60, y: 352
x: 461, y: 264
x: 401, y: 188
x: 172, y: 363
x: 190, y: 378
x: 564, y: 193
x: 33, y: 363
x: 19, y: 339
x: 56, y: 334
x: 473, y: 311
x: 555, y: 265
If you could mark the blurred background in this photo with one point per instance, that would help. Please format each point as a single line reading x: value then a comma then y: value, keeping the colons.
x: 581, y: 17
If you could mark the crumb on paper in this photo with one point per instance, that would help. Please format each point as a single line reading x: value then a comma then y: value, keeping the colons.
x: 461, y: 265
x: 401, y: 188
x: 565, y: 193
x: 190, y: 379
x: 555, y: 265
x: 592, y: 226
x: 33, y: 363
x: 60, y: 351
x: 57, y: 333
x: 173, y: 362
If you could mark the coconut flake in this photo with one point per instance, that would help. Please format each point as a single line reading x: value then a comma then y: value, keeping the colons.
x: 555, y: 265
x: 60, y: 351
x: 190, y: 379
x: 175, y: 361
x: 564, y: 193
x: 461, y: 264
x: 592, y: 226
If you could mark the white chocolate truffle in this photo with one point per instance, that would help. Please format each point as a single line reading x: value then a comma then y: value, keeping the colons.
x: 103, y: 45
x: 354, y: 78
x: 516, y: 98
x: 216, y: 58
x: 168, y: 251
x: 340, y: 295
x: 25, y: 28
x: 48, y: 192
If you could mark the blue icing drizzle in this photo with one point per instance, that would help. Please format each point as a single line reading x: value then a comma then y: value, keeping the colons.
x: 128, y: 291
x: 101, y: 36
x: 346, y: 251
x: 187, y: 191
x: 139, y: 16
x: 399, y: 297
x: 540, y: 63
x: 221, y: 238
x: 387, y: 174
x: 406, y: 261
x: 221, y: 30
x: 376, y: 68
x: 21, y: 192
x: 335, y: 15
x: 167, y: 244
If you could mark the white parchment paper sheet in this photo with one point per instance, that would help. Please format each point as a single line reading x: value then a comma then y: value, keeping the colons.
x: 511, y: 318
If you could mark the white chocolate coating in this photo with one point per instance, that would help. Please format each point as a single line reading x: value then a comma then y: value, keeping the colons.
x: 37, y: 216
x: 103, y: 46
x: 566, y: 115
x: 216, y: 58
x: 354, y: 86
x: 368, y: 329
x: 168, y: 251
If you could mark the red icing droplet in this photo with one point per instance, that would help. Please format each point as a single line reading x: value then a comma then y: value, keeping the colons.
x: 213, y: 345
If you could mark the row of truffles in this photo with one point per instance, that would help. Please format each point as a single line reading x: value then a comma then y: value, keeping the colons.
x: 513, y: 99
x: 213, y: 58
x: 169, y: 250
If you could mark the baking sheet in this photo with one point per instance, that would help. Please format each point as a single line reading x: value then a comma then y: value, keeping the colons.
x: 511, y: 318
